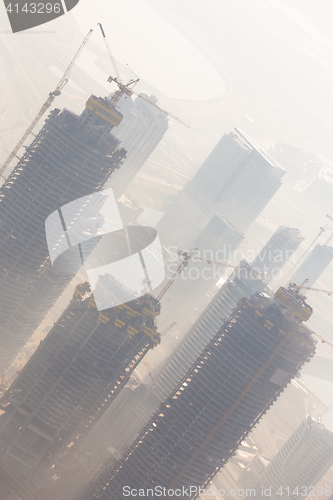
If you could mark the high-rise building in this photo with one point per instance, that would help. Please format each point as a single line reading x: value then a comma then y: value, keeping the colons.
x: 110, y: 436
x: 313, y: 266
x: 72, y: 378
x: 300, y: 463
x: 234, y: 381
x: 136, y: 404
x: 237, y: 180
x: 140, y: 132
x: 277, y: 251
x: 243, y: 282
x: 72, y: 156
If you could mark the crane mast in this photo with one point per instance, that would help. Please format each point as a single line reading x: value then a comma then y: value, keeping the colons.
x: 56, y: 92
x: 187, y: 256
x: 110, y: 54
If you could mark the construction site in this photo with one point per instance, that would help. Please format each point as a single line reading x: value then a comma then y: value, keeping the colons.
x: 97, y: 405
x: 70, y: 157
x: 223, y: 395
x: 75, y: 374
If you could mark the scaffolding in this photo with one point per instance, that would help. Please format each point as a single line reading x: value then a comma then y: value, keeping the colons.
x: 73, y: 377
x: 231, y: 385
x: 64, y: 162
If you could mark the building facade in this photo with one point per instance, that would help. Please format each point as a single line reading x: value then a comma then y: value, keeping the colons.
x: 243, y: 282
x: 234, y: 381
x: 237, y: 180
x: 140, y: 132
x: 313, y: 266
x: 72, y: 156
x: 277, y: 251
x: 300, y: 463
x: 72, y: 378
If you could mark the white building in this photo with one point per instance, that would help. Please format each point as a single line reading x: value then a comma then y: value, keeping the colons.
x: 277, y: 251
x: 314, y: 265
x: 301, y: 462
x: 140, y: 132
x: 237, y: 180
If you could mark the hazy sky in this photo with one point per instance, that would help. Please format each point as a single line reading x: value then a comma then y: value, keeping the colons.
x: 170, y: 63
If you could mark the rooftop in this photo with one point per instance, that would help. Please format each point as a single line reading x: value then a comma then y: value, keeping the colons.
x: 258, y: 148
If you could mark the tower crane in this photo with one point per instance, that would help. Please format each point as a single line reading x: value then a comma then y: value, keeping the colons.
x: 296, y: 288
x: 128, y: 88
x: 187, y: 256
x: 52, y: 95
x: 321, y: 231
x: 168, y: 328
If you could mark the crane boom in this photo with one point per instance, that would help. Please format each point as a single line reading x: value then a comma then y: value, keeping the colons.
x: 225, y: 264
x: 110, y: 54
x: 329, y: 292
x: 159, y: 108
x: 44, y: 108
x: 168, y: 328
x: 293, y: 286
x: 185, y: 262
x: 125, y: 89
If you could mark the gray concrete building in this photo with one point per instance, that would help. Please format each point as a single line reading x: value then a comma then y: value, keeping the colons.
x: 229, y: 387
x: 72, y: 156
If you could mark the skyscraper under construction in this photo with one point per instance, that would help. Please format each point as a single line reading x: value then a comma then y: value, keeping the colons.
x: 72, y: 156
x: 136, y: 404
x: 74, y: 375
x: 220, y: 399
x: 243, y: 282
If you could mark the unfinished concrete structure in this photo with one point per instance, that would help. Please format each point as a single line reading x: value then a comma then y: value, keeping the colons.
x: 72, y: 156
x: 72, y: 378
x: 243, y: 282
x: 136, y: 403
x: 234, y: 381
